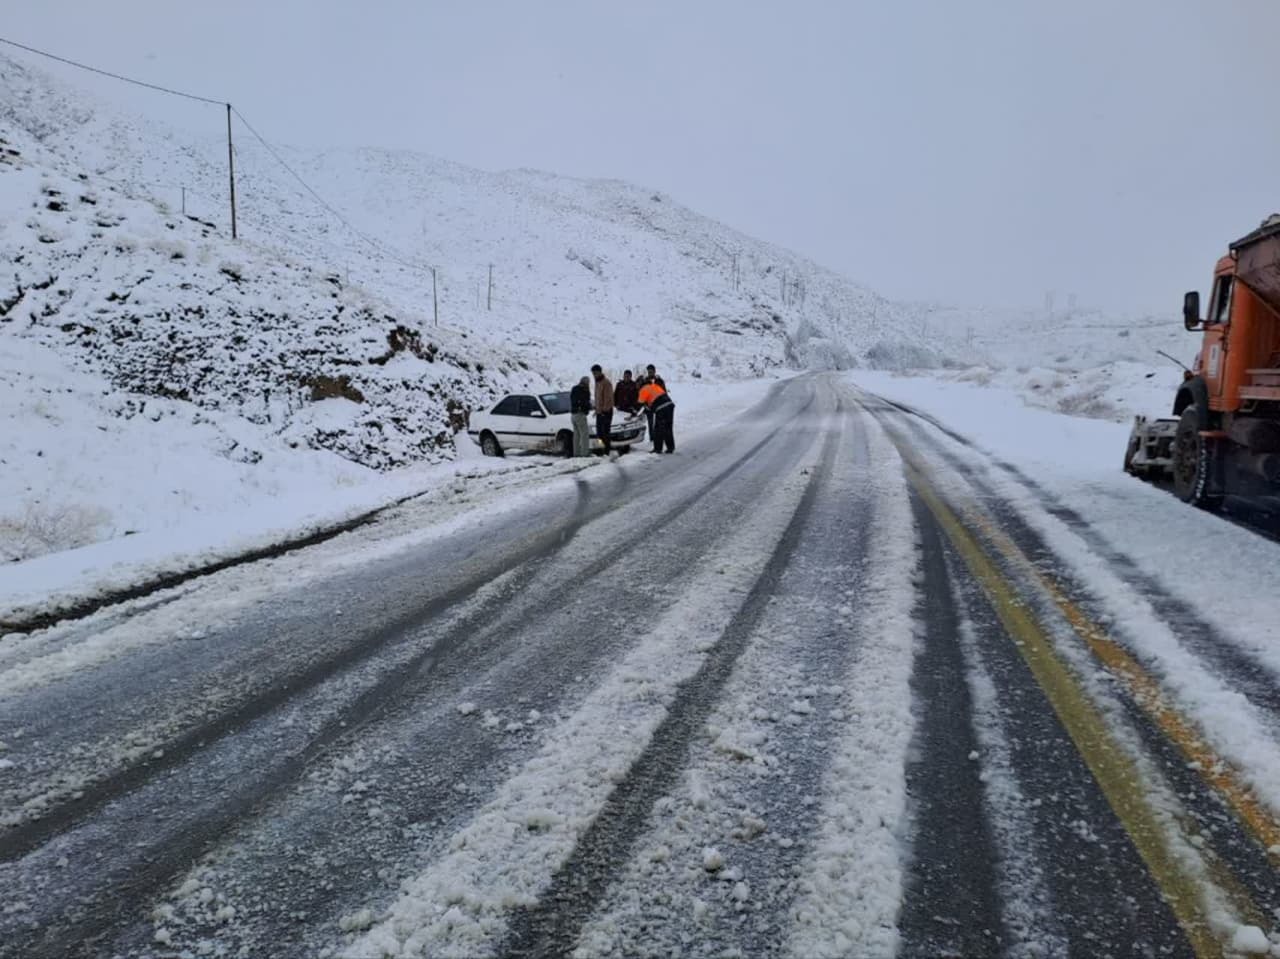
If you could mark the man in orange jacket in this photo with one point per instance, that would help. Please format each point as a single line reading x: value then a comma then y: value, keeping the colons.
x: 655, y: 399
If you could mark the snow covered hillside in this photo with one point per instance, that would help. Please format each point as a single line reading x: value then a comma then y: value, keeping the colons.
x: 144, y: 351
x: 583, y: 270
x: 153, y: 371
x: 1082, y: 362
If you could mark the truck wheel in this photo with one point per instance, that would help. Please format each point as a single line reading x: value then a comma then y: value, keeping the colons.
x: 1192, y: 462
x: 565, y: 441
x: 489, y: 444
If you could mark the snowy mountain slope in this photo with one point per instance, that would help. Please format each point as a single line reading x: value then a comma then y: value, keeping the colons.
x: 156, y: 378
x: 583, y: 271
x: 1083, y: 362
x: 1066, y: 338
x: 163, y: 307
x: 195, y: 376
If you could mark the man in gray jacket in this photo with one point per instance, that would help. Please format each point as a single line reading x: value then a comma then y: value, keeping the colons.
x: 604, y: 405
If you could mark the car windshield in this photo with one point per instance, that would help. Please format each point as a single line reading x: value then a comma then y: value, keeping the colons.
x: 556, y: 402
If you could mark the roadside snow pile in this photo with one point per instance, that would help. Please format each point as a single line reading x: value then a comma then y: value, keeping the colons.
x: 94, y: 463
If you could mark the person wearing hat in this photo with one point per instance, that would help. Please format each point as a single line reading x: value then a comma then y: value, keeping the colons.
x: 604, y: 405
x: 579, y: 407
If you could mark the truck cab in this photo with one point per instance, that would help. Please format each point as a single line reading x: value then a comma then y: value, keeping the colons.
x: 1239, y: 357
x: 1224, y: 438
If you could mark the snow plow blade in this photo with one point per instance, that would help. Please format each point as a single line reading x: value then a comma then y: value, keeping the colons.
x: 1149, y: 454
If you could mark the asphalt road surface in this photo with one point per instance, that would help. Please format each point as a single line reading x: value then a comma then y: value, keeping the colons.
x: 813, y: 686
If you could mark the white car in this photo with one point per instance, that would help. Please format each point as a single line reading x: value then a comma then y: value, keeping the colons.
x: 541, y: 421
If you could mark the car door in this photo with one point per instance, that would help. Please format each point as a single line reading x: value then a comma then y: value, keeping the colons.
x: 534, y: 431
x: 505, y: 421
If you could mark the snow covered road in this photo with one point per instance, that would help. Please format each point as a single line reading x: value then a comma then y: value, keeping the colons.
x: 828, y: 682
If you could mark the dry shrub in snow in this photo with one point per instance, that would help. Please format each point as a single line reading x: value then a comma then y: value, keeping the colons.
x: 173, y: 249
x: 979, y: 376
x: 1087, y: 404
x: 46, y: 528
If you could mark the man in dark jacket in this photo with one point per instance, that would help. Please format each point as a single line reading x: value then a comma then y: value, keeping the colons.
x: 663, y: 411
x: 651, y: 376
x: 626, y: 395
x: 579, y: 407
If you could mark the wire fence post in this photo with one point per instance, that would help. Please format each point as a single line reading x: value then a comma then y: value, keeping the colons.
x: 184, y: 201
x: 231, y: 171
x: 489, y: 301
x: 435, y: 300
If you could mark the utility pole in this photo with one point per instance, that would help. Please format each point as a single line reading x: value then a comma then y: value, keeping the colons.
x: 489, y: 301
x: 435, y: 301
x: 231, y: 171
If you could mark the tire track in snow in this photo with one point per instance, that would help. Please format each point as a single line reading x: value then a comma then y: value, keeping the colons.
x: 748, y: 791
x: 1100, y: 896
x: 506, y: 857
x: 428, y: 752
x: 1254, y: 678
x: 1209, y: 900
x: 553, y: 925
x: 1030, y: 917
x: 950, y: 905
x: 162, y: 854
x: 1232, y: 698
x: 86, y: 796
x: 851, y: 882
x: 1228, y: 819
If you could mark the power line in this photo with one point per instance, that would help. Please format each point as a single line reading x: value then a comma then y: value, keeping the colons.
x: 376, y: 244
x: 108, y: 73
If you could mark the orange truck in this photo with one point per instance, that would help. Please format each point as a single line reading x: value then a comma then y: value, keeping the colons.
x: 1224, y: 437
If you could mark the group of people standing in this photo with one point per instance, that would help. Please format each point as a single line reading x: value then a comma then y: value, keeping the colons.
x: 648, y: 393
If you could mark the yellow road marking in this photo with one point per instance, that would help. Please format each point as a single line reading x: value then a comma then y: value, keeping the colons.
x: 1110, y: 764
x: 1146, y: 692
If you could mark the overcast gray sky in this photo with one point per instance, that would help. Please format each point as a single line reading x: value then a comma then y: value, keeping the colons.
x: 975, y: 152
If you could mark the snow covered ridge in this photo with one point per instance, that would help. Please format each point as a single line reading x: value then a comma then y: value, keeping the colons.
x: 583, y: 271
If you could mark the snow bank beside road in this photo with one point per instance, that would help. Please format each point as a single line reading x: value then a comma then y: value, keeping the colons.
x: 1115, y: 392
x: 161, y: 480
x: 1000, y: 420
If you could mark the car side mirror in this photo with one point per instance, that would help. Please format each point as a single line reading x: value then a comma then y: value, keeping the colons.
x: 1191, y: 310
x: 539, y: 414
